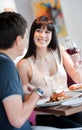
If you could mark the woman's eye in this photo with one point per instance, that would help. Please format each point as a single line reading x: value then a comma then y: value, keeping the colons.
x: 47, y: 31
x: 38, y: 30
x: 41, y: 31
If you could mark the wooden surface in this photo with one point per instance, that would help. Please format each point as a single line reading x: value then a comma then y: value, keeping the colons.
x: 60, y: 110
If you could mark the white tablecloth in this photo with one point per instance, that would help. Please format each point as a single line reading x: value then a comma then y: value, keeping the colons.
x: 52, y: 128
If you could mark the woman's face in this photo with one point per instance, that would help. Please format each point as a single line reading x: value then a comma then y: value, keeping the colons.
x: 42, y: 37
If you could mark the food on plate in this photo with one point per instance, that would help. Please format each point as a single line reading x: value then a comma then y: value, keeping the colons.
x: 75, y: 87
x: 58, y: 96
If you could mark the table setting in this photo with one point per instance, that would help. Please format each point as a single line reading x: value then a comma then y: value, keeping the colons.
x: 64, y: 96
x: 70, y: 105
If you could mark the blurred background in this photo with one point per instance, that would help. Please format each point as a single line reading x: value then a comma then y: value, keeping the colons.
x: 71, y: 11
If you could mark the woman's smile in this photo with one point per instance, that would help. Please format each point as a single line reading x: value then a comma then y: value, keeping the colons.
x: 42, y: 37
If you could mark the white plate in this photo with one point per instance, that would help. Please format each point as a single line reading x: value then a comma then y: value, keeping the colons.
x: 44, y: 103
x: 73, y: 102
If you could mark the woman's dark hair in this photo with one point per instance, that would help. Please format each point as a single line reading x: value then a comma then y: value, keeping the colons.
x: 42, y: 22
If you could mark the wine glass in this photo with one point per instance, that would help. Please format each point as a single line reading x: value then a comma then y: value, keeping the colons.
x: 71, y: 46
x: 72, y: 49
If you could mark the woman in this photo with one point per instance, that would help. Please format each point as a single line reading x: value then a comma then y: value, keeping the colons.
x: 44, y: 63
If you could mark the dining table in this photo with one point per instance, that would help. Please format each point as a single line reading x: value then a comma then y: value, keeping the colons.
x: 65, y: 108
x: 59, y: 110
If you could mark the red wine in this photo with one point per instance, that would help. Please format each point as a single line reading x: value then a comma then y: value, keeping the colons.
x: 72, y: 51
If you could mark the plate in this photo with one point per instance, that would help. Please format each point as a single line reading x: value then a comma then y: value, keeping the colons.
x: 76, y: 87
x: 44, y: 102
x: 73, y: 102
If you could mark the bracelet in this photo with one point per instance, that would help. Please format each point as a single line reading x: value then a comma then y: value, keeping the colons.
x: 39, y: 91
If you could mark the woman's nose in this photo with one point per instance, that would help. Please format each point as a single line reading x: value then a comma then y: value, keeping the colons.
x: 42, y: 34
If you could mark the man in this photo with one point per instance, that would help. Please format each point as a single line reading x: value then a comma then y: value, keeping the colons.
x: 14, y: 111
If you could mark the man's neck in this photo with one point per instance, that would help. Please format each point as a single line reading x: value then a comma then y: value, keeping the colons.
x: 9, y: 52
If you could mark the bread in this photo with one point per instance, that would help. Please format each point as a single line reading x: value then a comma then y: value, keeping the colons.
x: 75, y: 87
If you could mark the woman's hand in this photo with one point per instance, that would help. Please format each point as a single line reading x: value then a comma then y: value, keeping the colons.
x: 28, y: 88
x: 76, y: 59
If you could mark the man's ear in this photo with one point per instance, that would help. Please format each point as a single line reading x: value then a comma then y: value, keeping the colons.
x: 18, y: 40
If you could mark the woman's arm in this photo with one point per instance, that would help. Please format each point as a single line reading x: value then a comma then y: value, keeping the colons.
x: 24, y: 70
x: 25, y: 73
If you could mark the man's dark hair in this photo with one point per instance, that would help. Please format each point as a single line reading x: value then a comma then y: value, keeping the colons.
x: 12, y: 24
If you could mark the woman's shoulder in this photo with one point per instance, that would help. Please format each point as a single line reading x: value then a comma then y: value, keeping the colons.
x: 23, y: 63
x: 62, y: 49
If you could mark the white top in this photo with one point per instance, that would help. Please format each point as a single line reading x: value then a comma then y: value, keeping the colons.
x: 56, y: 82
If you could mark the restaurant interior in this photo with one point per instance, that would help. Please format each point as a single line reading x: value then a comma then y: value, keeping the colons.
x: 71, y: 21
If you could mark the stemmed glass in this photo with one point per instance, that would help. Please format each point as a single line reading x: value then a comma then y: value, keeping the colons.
x: 72, y: 50
x: 71, y: 46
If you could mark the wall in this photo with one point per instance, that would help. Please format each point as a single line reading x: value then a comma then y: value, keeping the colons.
x: 24, y: 7
x: 72, y: 14
x: 73, y: 18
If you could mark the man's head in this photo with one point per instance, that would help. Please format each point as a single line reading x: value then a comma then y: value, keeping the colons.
x: 12, y: 25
